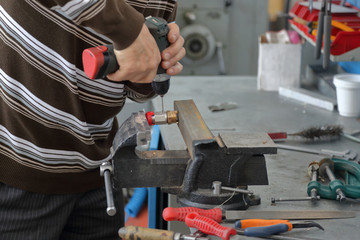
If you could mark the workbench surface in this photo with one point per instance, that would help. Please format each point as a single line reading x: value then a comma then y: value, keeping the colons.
x: 260, y: 111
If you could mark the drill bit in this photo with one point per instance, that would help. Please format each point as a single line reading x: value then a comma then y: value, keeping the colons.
x: 162, y: 103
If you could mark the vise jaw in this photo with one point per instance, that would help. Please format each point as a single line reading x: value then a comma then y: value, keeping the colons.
x: 234, y: 159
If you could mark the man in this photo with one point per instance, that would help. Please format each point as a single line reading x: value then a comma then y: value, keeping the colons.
x: 56, y: 125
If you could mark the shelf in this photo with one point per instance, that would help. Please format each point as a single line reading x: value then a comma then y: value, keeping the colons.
x: 345, y: 45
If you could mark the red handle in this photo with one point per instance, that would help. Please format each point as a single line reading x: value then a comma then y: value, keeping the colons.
x: 93, y: 59
x: 208, y: 226
x: 278, y: 135
x: 179, y: 214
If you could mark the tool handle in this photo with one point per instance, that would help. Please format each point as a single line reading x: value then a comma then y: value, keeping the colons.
x: 179, y: 214
x: 278, y: 135
x: 111, y: 209
x: 100, y: 61
x: 208, y: 226
x: 141, y: 233
x: 319, y: 35
x: 266, y: 231
x: 247, y: 223
x: 327, y: 41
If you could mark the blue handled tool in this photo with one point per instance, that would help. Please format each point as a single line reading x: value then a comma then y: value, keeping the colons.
x: 263, y: 227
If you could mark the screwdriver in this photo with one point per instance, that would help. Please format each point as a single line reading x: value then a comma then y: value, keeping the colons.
x: 179, y: 214
x: 263, y: 227
x: 208, y: 226
x: 141, y: 233
x: 100, y: 61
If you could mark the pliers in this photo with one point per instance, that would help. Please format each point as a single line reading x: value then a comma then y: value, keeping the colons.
x: 263, y: 227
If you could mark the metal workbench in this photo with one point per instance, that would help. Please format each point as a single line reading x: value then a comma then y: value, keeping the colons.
x: 260, y: 111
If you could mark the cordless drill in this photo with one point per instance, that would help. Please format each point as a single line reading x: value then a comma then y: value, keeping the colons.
x: 100, y: 61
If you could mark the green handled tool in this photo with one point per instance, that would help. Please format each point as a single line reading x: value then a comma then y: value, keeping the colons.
x: 350, y: 186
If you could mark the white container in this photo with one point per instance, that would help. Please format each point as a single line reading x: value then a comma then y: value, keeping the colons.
x: 348, y: 94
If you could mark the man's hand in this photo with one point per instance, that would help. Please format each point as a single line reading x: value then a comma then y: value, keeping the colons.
x: 138, y: 62
x: 175, y: 52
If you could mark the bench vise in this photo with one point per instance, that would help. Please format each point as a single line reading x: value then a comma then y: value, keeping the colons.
x: 201, y: 175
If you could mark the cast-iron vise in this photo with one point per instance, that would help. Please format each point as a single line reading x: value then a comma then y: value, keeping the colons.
x: 199, y: 174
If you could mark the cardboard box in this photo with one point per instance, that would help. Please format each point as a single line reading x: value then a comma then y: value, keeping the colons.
x: 278, y: 65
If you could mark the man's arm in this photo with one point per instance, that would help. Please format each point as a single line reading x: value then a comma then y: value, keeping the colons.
x: 136, y: 50
x: 115, y: 19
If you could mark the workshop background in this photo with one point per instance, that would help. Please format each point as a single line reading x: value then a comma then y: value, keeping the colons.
x: 228, y: 45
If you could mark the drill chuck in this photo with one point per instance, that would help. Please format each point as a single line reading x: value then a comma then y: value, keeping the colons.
x: 161, y: 87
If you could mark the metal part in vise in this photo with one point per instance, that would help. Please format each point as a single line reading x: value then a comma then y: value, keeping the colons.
x: 160, y: 118
x: 236, y: 160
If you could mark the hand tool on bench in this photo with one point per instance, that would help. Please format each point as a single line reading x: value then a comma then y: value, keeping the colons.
x: 208, y: 226
x: 294, y: 199
x: 141, y: 233
x: 346, y: 154
x: 327, y: 168
x: 288, y: 214
x: 100, y: 61
x: 253, y: 227
x: 218, y: 215
x: 350, y: 186
x: 312, y: 133
x: 313, y: 174
x: 264, y: 227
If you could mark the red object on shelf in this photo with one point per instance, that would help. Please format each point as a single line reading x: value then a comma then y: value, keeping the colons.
x: 344, y: 41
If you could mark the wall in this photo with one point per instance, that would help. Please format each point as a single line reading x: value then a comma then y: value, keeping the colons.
x: 237, y: 27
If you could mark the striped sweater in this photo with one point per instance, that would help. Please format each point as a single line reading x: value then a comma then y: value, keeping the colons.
x: 56, y: 125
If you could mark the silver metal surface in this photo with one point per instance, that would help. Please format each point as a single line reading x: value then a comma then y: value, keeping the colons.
x: 259, y: 142
x: 191, y: 124
x: 274, y: 200
x: 217, y: 187
x: 160, y: 118
x: 344, y: 154
x: 290, y: 215
x: 260, y: 111
x: 340, y: 195
x: 312, y: 172
x: 106, y: 171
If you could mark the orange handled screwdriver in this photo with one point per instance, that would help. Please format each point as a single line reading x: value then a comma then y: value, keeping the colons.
x: 179, y: 214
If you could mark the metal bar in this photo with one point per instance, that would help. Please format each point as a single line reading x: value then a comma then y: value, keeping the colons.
x: 191, y: 124
x: 111, y: 210
x: 290, y: 215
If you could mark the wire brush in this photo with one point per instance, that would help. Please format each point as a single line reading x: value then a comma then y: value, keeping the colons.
x: 327, y: 131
